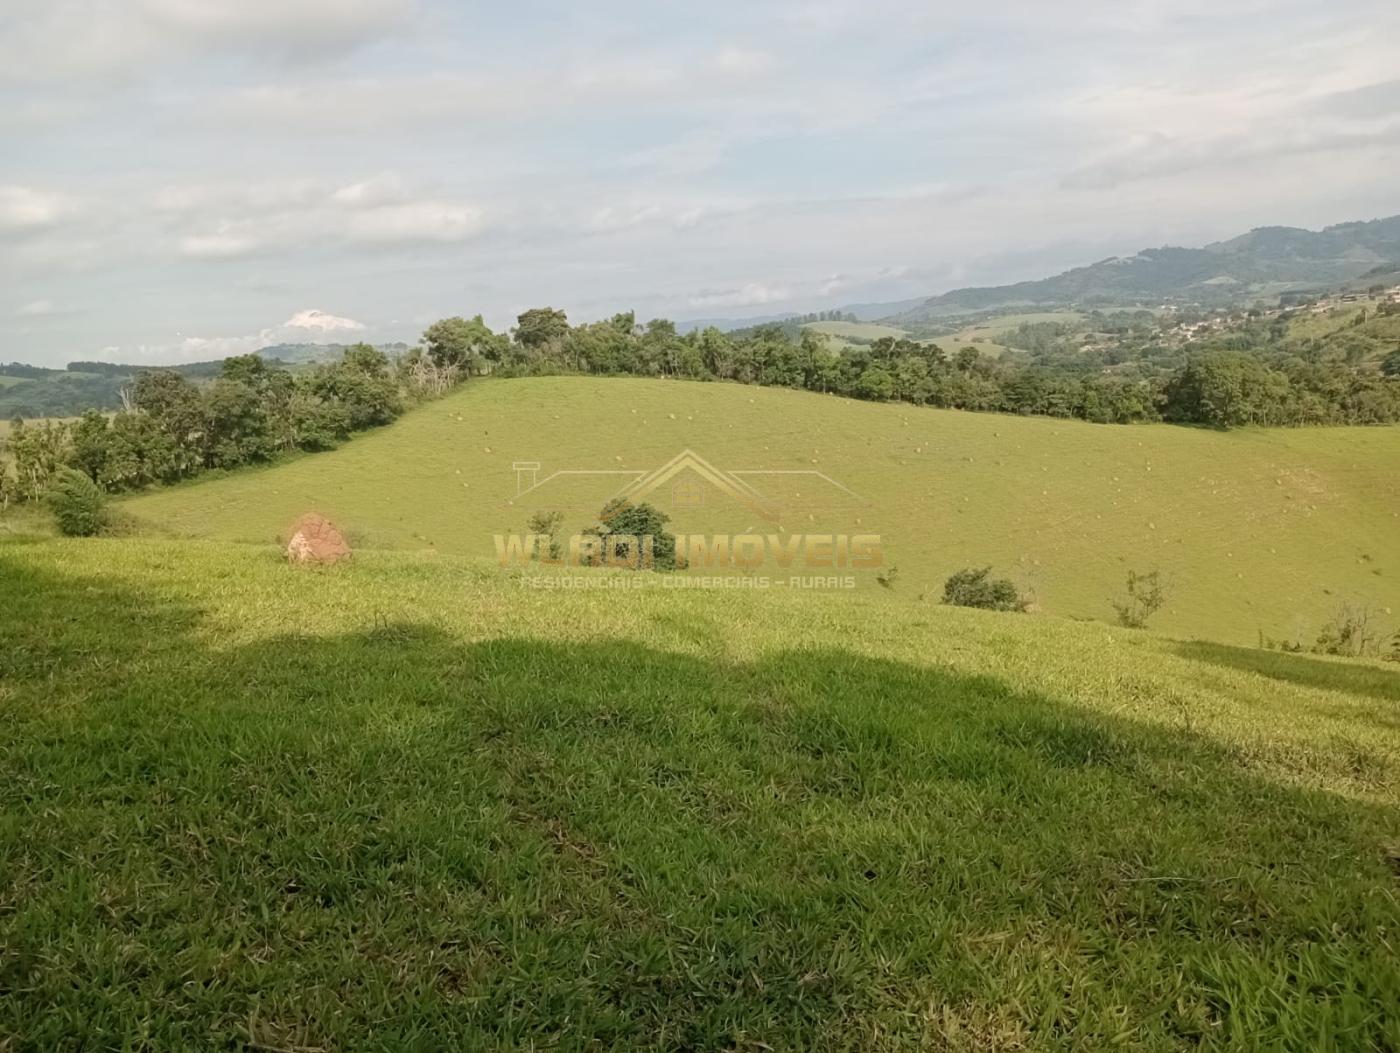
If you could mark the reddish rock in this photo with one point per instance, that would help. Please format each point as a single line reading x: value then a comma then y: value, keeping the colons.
x: 316, y: 540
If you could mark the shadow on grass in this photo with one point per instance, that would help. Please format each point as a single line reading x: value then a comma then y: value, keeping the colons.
x: 1349, y: 678
x: 400, y: 839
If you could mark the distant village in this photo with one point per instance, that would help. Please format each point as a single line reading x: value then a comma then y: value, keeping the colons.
x: 1322, y: 305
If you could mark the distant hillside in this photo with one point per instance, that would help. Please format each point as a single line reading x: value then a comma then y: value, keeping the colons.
x: 32, y: 392
x: 864, y: 312
x: 1263, y: 262
x: 729, y: 325
x: 309, y: 354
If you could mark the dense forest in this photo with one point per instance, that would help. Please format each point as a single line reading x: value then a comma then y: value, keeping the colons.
x: 1120, y: 367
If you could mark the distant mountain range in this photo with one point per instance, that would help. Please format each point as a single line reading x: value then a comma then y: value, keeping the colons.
x: 1261, y: 264
x: 865, y: 312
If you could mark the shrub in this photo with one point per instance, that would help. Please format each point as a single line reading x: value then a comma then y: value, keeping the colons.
x: 1145, y: 597
x: 1349, y: 634
x: 77, y: 503
x: 546, y: 525
x: 976, y: 588
x: 624, y: 525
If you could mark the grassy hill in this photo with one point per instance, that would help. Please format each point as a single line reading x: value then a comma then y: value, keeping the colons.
x: 1254, y: 530
x: 407, y: 803
x: 856, y: 330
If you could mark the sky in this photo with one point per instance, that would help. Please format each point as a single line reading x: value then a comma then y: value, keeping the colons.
x: 186, y: 179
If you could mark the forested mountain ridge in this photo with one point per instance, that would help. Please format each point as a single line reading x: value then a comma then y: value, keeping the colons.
x: 1261, y: 263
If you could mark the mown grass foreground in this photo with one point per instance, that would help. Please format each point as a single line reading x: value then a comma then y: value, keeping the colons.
x: 406, y: 804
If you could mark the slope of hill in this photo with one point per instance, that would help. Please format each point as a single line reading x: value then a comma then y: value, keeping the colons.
x: 855, y: 330
x: 726, y: 325
x: 1253, y: 530
x: 251, y: 807
x: 1264, y: 261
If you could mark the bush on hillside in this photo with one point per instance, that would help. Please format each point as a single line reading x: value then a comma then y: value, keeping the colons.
x: 1350, y: 634
x: 977, y: 588
x: 545, y: 524
x: 77, y: 503
x: 1145, y: 596
x: 624, y: 525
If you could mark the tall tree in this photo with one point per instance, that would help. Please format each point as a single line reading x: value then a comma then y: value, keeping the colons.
x: 540, y: 326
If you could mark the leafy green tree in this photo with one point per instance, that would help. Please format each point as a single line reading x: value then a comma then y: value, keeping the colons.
x: 91, y: 443
x: 620, y: 519
x: 717, y: 351
x: 39, y: 451
x: 876, y: 383
x: 468, y: 345
x: 77, y: 503
x: 1390, y: 365
x: 541, y: 326
x: 172, y: 402
x: 236, y: 429
x: 138, y: 454
x: 178, y: 412
x: 977, y: 588
x: 317, y: 423
x: 361, y: 384
x: 1226, y: 389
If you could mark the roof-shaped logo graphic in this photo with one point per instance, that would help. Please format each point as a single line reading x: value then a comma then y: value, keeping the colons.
x: 640, y: 485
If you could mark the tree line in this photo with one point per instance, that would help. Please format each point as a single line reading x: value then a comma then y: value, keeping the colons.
x: 255, y: 409
x: 1216, y: 387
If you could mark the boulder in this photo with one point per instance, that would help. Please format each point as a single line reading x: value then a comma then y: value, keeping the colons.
x: 315, y: 539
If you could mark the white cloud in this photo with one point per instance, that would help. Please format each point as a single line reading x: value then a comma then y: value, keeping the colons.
x: 383, y: 189
x: 25, y: 209
x: 321, y: 322
x: 621, y: 217
x: 749, y: 295
x: 228, y: 221
x: 740, y: 60
x: 127, y: 39
x: 222, y: 245
x: 597, y: 156
x: 314, y: 25
x: 308, y: 326
x: 36, y: 309
x: 415, y: 223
